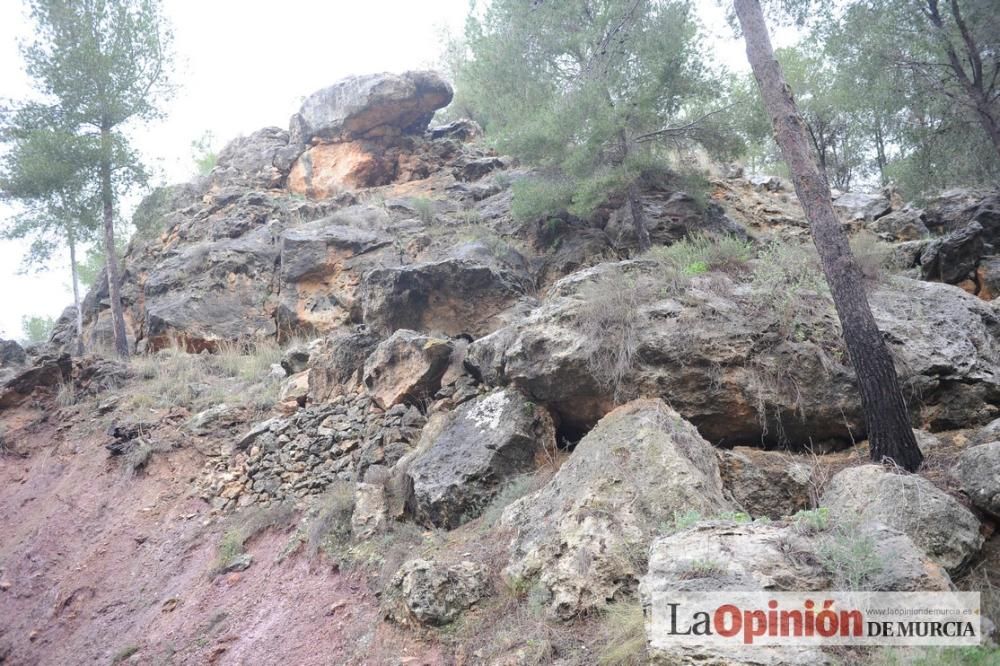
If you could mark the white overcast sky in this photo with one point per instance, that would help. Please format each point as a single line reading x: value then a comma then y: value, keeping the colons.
x: 245, y: 64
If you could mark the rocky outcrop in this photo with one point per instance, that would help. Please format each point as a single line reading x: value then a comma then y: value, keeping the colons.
x: 406, y: 366
x: 212, y: 291
x: 375, y: 105
x: 430, y: 593
x: 937, y: 523
x: 336, y: 362
x: 321, y: 265
x: 11, y: 354
x: 978, y: 473
x: 261, y: 160
x: 767, y: 483
x: 721, y: 555
x: 453, y: 296
x: 905, y: 224
x: 861, y: 206
x: 371, y: 512
x: 44, y: 373
x: 485, y: 443
x: 366, y: 131
x: 726, y: 366
x: 584, y: 535
x: 954, y: 257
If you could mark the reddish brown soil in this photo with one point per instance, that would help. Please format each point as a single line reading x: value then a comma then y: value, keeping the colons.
x: 95, y: 566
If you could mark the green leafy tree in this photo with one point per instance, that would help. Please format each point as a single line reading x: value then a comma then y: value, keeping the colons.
x: 47, y: 170
x: 100, y: 67
x: 36, y: 329
x: 203, y: 155
x: 922, y: 84
x: 588, y: 91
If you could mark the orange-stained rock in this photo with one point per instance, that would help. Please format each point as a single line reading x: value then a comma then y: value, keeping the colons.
x: 326, y: 170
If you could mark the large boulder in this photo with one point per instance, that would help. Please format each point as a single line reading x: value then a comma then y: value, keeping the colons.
x: 336, y: 363
x: 978, y: 472
x: 937, y: 522
x: 954, y: 209
x: 721, y: 555
x: 406, y: 366
x: 485, y: 443
x: 769, y: 484
x: 11, y: 354
x: 452, y: 296
x: 725, y: 364
x: 861, y: 206
x: 954, y: 257
x: 321, y: 267
x: 373, y: 105
x: 424, y: 592
x: 584, y: 535
x: 905, y: 224
x: 945, y: 343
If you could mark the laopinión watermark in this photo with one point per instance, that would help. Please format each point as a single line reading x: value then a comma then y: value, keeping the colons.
x: 814, y: 618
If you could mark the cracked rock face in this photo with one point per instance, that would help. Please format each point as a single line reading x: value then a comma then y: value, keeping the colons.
x: 485, y: 443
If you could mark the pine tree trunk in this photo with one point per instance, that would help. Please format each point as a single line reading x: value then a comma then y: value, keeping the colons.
x: 114, y: 293
x: 889, y: 433
x: 71, y: 240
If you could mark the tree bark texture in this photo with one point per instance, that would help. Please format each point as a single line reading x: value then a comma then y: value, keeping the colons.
x: 114, y: 292
x: 889, y: 432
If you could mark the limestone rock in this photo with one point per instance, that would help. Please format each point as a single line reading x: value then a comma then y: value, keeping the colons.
x: 408, y: 365
x: 766, y: 483
x: 720, y: 555
x: 211, y: 291
x: 337, y: 361
x: 451, y: 296
x: 485, y: 443
x: 296, y: 359
x: 584, y: 534
x: 205, y: 421
x: 937, y: 523
x: 321, y: 264
x: 766, y: 183
x: 954, y: 257
x: 462, y: 129
x: 861, y: 206
x: 435, y: 594
x: 978, y: 472
x: 261, y: 160
x: 294, y: 391
x: 725, y: 366
x: 906, y: 224
x: 988, y: 278
x: 45, y: 372
x: 988, y: 433
x: 371, y: 106
x: 371, y: 510
x: 946, y: 348
x: 11, y: 354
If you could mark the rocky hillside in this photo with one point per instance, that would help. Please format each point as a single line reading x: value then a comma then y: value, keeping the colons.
x: 374, y: 418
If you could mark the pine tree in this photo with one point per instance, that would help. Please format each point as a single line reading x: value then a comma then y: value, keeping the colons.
x: 587, y: 92
x: 47, y: 170
x: 889, y: 433
x: 100, y: 66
